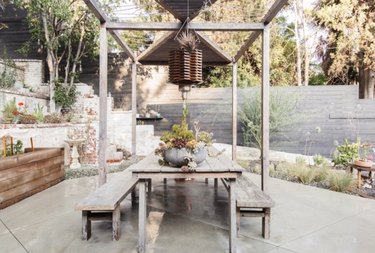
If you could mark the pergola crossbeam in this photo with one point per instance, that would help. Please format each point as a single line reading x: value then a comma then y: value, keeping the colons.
x: 270, y: 15
x: 214, y: 47
x: 120, y: 41
x: 175, y: 26
x: 96, y: 10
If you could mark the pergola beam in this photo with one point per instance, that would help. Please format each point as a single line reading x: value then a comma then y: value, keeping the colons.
x: 175, y: 26
x: 116, y: 36
x: 246, y: 46
x: 103, y: 18
x: 272, y: 12
x: 213, y: 46
x: 94, y: 7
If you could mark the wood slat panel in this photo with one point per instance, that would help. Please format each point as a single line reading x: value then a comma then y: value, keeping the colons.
x: 14, y: 177
x: 23, y: 190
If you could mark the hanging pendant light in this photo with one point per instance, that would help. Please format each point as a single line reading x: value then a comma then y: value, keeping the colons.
x: 185, y: 63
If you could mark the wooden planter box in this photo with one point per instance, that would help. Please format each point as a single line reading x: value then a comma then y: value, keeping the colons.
x: 24, y: 175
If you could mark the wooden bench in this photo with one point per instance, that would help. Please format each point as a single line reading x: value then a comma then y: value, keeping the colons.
x: 104, y: 203
x: 251, y: 201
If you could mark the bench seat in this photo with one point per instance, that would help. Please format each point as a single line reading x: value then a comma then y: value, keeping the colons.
x: 251, y: 201
x: 104, y: 203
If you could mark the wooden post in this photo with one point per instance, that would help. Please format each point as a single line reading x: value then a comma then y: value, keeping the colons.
x: 86, y: 225
x: 32, y: 144
x: 265, y: 107
x: 142, y: 216
x: 134, y: 110
x: 4, y: 146
x: 103, y: 69
x: 11, y: 145
x: 234, y: 111
x: 232, y: 217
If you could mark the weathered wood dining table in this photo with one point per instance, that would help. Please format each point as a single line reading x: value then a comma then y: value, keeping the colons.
x: 216, y: 166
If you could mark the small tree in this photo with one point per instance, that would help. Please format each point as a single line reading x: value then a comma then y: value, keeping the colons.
x: 67, y: 31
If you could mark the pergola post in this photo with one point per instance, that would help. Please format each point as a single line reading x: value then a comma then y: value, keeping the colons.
x: 134, y: 110
x: 103, y: 69
x: 265, y: 106
x: 234, y: 111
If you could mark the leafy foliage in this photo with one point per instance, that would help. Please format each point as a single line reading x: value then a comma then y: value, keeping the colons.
x: 65, y: 96
x: 346, y: 153
x: 350, y: 42
x: 7, y: 74
x: 10, y: 112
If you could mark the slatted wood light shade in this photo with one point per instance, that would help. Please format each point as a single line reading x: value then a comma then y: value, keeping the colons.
x: 185, y: 67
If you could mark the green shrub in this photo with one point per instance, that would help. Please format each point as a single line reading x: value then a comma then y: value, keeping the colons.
x: 320, y: 160
x: 300, y: 160
x: 317, y: 79
x: 65, y: 96
x: 38, y: 114
x: 340, y: 181
x: 346, y: 153
x: 10, y: 112
x: 8, y: 74
x: 243, y: 163
x: 281, y: 115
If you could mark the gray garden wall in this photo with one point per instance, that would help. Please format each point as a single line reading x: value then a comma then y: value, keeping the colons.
x: 335, y: 110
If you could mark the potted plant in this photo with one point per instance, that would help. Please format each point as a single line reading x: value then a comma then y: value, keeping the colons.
x: 181, y: 147
x: 365, y: 159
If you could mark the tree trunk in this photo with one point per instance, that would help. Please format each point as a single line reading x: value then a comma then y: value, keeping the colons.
x: 50, y: 63
x: 78, y: 56
x: 298, y: 47
x: 305, y: 46
x: 366, y: 83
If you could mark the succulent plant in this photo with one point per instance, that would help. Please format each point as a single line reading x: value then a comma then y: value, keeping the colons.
x: 187, y: 41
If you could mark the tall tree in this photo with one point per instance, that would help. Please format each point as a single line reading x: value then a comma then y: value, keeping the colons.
x: 67, y: 31
x: 350, y: 45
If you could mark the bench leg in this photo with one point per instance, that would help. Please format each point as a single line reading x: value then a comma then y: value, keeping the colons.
x: 149, y: 187
x: 206, y: 180
x: 266, y: 220
x: 215, y: 183
x: 238, y: 216
x: 116, y: 223
x: 165, y: 181
x: 133, y: 196
x: 86, y: 225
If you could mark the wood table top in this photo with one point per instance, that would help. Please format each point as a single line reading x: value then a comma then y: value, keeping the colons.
x: 215, y: 162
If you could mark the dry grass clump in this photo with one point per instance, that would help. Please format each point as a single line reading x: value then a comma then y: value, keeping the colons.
x: 340, y: 181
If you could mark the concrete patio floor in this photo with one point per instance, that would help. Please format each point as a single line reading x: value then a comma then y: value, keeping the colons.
x: 191, y: 217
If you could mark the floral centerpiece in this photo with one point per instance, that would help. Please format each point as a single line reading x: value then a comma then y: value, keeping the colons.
x: 181, y: 147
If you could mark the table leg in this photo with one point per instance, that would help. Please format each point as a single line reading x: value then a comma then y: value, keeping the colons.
x: 232, y: 217
x: 359, y: 178
x: 215, y: 183
x: 142, y: 217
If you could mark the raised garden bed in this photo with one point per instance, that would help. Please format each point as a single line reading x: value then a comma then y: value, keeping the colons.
x: 26, y: 174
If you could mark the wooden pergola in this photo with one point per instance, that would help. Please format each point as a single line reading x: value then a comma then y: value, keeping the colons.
x: 158, y: 54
